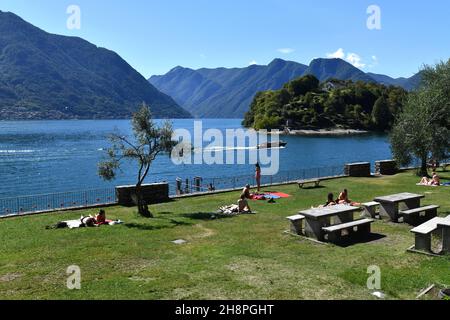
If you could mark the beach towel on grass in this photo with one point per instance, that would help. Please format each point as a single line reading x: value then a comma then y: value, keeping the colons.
x: 270, y: 195
x: 75, y: 224
x: 229, y: 210
x: 447, y: 184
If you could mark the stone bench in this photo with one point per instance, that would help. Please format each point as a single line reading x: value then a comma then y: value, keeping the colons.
x: 315, y: 182
x: 296, y: 223
x: 424, y: 231
x: 370, y: 209
x: 361, y: 169
x: 335, y: 232
x: 419, y: 215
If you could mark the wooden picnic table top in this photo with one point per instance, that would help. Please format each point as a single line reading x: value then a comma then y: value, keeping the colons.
x: 399, y: 197
x: 316, y: 213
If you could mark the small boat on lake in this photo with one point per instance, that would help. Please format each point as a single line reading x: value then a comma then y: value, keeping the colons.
x: 270, y: 145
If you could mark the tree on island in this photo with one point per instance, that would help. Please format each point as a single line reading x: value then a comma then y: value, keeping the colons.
x: 305, y: 103
x: 422, y: 130
x: 148, y: 142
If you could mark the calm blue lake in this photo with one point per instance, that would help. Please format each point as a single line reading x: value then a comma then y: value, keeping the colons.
x: 39, y: 157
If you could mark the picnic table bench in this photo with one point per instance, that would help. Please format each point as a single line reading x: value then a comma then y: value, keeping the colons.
x: 315, y: 182
x: 296, y: 223
x: 424, y: 231
x: 370, y: 209
x: 331, y: 221
x: 389, y: 205
x: 362, y: 228
x: 419, y: 215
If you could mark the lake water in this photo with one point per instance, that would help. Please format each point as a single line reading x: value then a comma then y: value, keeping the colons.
x: 39, y: 157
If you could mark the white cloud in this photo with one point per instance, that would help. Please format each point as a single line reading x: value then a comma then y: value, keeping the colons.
x: 253, y: 62
x: 374, y: 62
x: 351, y: 57
x: 286, y: 50
x: 203, y: 56
x: 338, y: 54
x: 355, y: 60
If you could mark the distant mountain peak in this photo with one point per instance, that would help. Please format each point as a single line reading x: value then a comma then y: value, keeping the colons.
x: 227, y: 93
x: 47, y: 76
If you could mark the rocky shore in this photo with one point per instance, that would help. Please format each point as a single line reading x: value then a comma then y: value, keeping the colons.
x: 324, y: 132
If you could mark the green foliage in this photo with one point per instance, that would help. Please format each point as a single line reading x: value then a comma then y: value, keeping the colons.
x: 381, y: 115
x: 267, y: 122
x: 422, y: 130
x: 304, y: 103
x: 302, y: 85
x: 148, y: 142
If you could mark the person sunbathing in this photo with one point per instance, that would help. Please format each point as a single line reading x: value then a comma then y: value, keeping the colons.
x: 434, y: 181
x: 100, y: 218
x: 243, y: 205
x: 343, y: 199
x: 88, y: 222
x: 330, y: 202
x: 246, y: 192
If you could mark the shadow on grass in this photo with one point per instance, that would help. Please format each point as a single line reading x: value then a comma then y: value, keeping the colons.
x: 312, y: 187
x: 352, y: 240
x: 146, y: 227
x: 206, y: 216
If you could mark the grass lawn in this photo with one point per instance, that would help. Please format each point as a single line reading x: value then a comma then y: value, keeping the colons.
x: 242, y: 257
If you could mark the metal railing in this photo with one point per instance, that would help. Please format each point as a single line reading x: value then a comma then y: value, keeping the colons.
x: 57, y: 201
x: 196, y: 185
x: 107, y: 196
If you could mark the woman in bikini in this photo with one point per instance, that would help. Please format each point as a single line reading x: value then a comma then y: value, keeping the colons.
x: 343, y: 199
x: 258, y: 176
x: 434, y: 181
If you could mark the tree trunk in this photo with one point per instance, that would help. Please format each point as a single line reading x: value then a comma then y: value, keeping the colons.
x: 423, y: 172
x: 142, y: 206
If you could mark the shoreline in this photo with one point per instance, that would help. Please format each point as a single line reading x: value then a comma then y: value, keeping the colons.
x: 324, y: 132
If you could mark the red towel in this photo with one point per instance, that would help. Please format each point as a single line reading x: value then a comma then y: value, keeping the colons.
x: 280, y: 194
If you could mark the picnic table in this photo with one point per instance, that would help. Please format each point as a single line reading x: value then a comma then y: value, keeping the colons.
x: 389, y: 205
x: 316, y: 219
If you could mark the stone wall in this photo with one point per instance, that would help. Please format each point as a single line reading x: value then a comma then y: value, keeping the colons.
x: 386, y: 167
x: 361, y: 169
x: 153, y: 193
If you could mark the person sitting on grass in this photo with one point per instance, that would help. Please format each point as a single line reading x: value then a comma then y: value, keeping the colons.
x: 434, y: 181
x: 343, y: 199
x: 243, y: 205
x: 330, y: 202
x: 100, y: 218
x: 246, y: 192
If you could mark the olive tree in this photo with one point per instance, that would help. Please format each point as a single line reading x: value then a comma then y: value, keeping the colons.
x: 422, y: 131
x: 148, y: 141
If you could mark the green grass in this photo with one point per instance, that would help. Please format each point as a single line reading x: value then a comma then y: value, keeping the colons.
x: 242, y: 257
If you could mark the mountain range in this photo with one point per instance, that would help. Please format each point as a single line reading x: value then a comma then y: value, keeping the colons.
x: 47, y: 76
x: 228, y: 93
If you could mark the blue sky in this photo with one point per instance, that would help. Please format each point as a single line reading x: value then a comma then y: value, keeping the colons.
x: 157, y: 35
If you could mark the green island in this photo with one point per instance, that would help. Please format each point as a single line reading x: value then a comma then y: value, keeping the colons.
x: 305, y: 103
x: 239, y: 257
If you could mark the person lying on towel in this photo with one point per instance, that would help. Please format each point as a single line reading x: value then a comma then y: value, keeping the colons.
x: 434, y: 181
x: 85, y: 222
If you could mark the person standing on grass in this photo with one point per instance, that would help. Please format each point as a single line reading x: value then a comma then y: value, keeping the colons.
x: 258, y: 176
